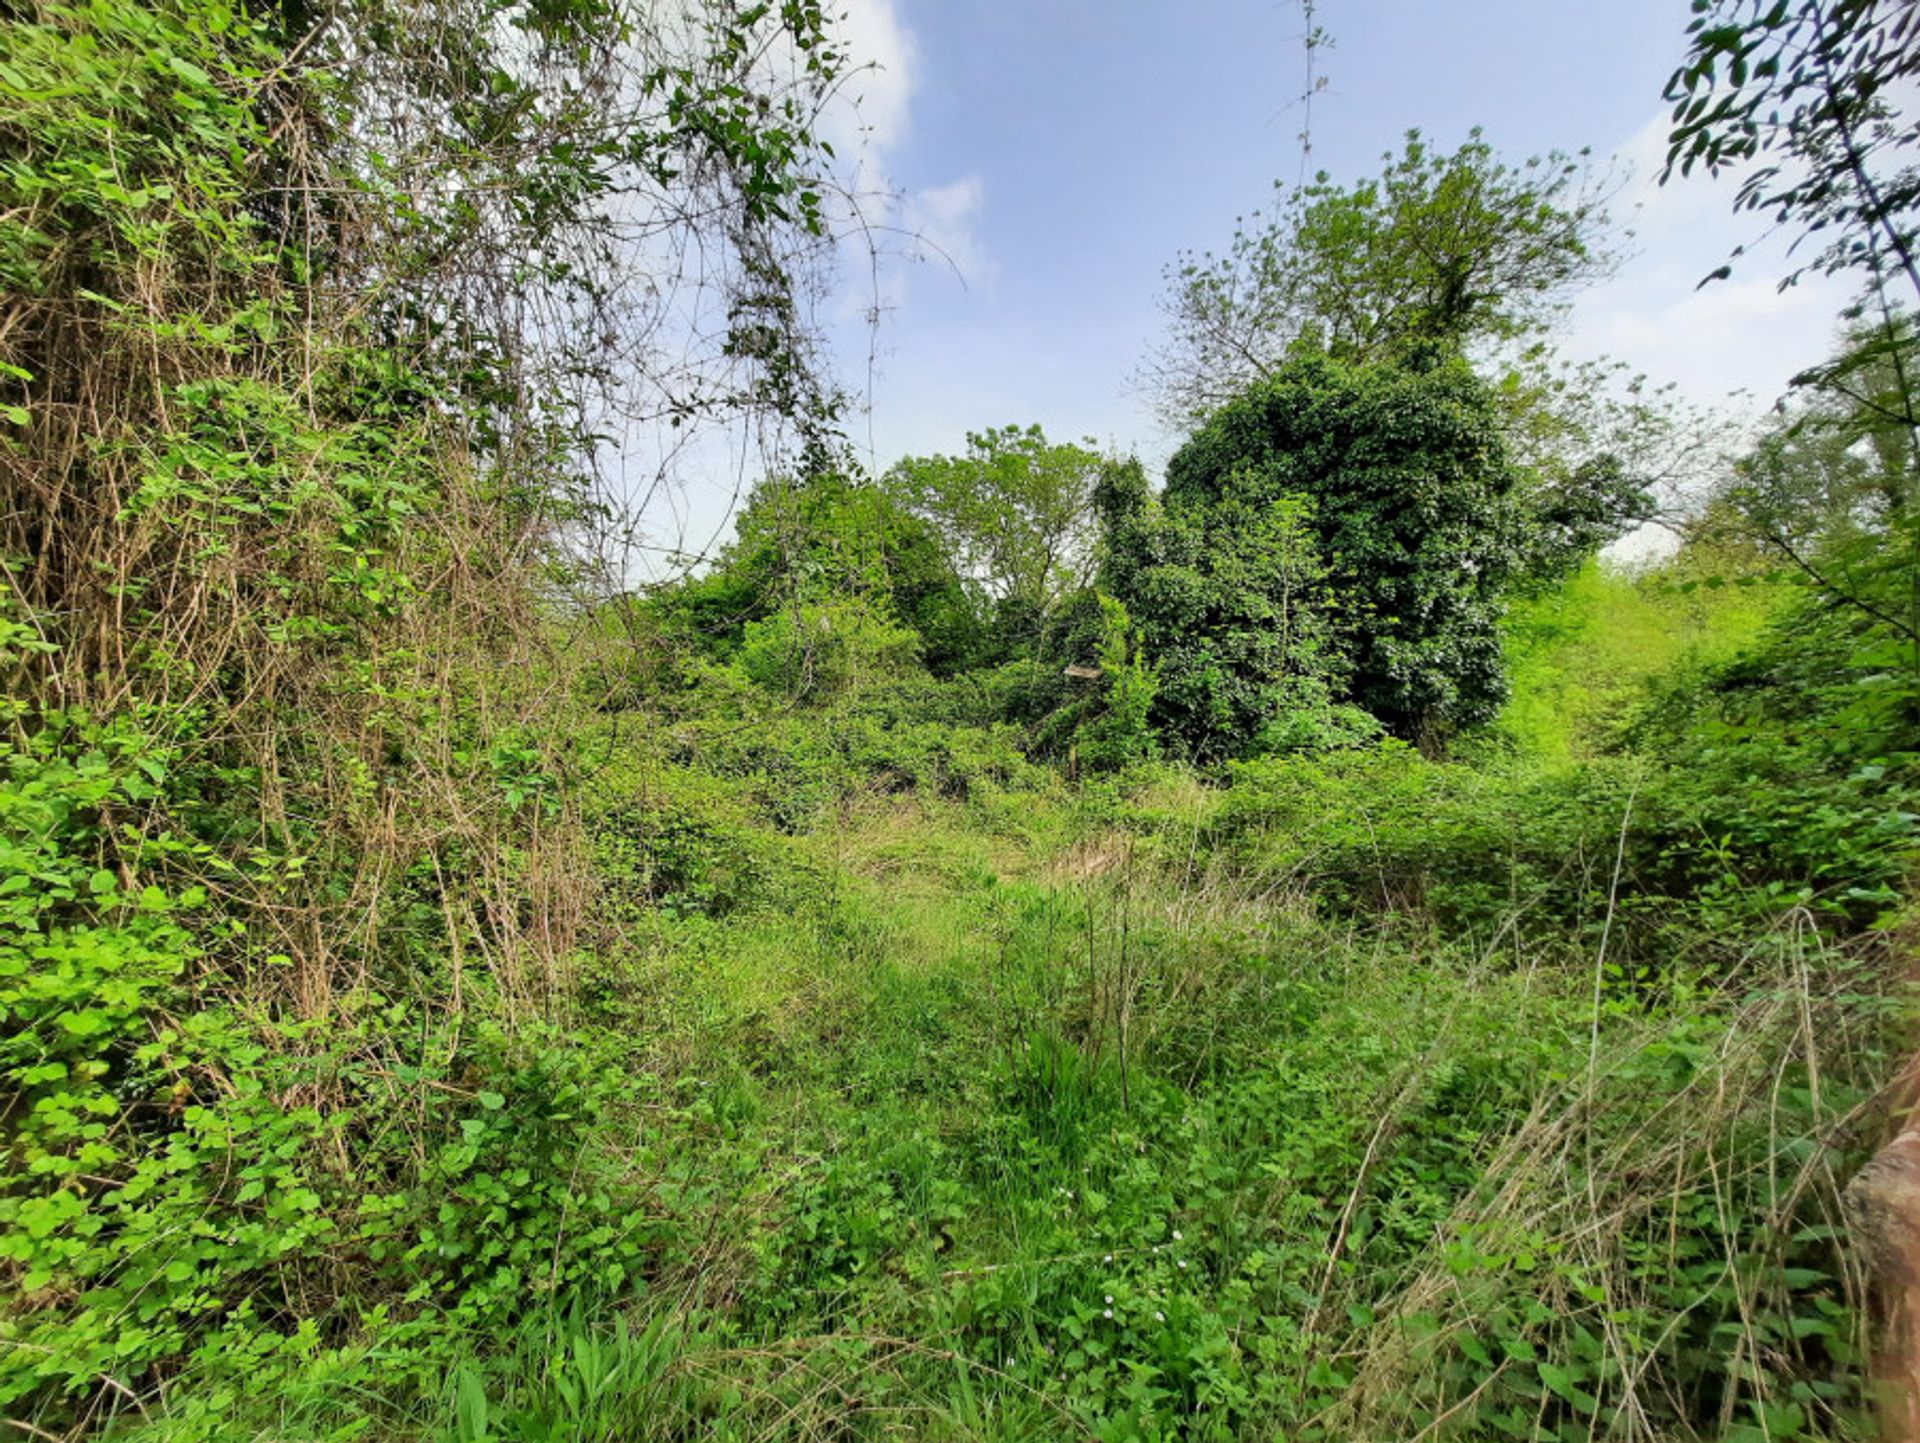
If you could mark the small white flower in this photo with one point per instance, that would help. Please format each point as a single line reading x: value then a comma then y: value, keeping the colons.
x: 1183, y: 1264
x: 1108, y: 1313
x: 1109, y: 1299
x: 1176, y: 1235
x: 1158, y: 1316
x: 1108, y: 1258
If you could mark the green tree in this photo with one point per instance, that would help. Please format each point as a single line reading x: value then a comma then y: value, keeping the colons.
x: 1461, y: 249
x: 1015, y: 512
x: 831, y: 535
x: 1086, y: 693
x: 1804, y: 100
x: 1810, y: 104
x: 1230, y: 598
x: 1829, y: 468
x: 1396, y: 473
x: 311, y: 319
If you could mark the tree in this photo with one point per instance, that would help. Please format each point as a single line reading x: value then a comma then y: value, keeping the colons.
x: 1231, y: 600
x: 1015, y: 512
x: 1086, y: 692
x: 1461, y: 250
x: 1803, y: 98
x: 1809, y: 102
x: 1397, y: 472
x: 1828, y: 469
x: 830, y: 535
x: 313, y: 317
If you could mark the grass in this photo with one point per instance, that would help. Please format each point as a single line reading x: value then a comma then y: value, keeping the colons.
x: 1060, y: 1122
x: 1354, y: 1096
x: 1581, y: 654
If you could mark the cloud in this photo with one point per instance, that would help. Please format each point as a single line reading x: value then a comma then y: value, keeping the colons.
x: 1742, y: 334
x: 943, y: 221
x: 870, y: 113
x: 869, y: 124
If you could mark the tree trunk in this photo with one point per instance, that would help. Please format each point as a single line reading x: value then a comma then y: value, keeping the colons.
x: 1883, y: 1204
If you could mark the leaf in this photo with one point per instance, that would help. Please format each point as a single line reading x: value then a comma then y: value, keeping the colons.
x: 1563, y: 1382
x: 189, y: 72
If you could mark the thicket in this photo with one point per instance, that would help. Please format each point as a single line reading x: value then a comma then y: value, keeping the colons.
x: 1000, y: 952
x: 293, y: 884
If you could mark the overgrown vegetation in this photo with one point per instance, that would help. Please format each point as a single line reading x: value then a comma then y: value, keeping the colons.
x: 1313, y: 951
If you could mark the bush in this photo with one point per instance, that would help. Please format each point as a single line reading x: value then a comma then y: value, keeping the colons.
x: 818, y: 651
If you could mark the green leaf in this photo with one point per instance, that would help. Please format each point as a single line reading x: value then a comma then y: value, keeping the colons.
x: 1563, y: 1381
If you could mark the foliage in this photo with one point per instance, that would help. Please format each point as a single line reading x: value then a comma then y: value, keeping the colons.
x: 1804, y: 100
x: 289, y: 865
x: 1810, y: 104
x: 1460, y: 250
x: 1826, y: 491
x: 1098, y: 716
x: 800, y: 1000
x: 1583, y: 653
x: 831, y: 535
x: 1793, y: 766
x: 815, y: 652
x: 1014, y: 513
x: 1233, y: 604
x: 1399, y: 477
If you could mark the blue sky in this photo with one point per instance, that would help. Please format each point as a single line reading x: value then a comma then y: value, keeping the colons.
x: 1060, y: 153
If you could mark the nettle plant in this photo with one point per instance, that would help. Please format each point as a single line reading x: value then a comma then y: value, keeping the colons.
x: 306, y: 337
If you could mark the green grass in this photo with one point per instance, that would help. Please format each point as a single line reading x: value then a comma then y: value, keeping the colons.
x: 1581, y: 654
x: 909, y: 1092
x: 1073, y: 1125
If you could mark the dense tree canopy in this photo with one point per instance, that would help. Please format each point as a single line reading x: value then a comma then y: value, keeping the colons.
x: 1013, y: 510
x: 1399, y: 474
x: 829, y: 535
x: 1232, y: 602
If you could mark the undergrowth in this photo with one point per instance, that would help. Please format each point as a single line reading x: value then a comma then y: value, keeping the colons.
x: 445, y: 997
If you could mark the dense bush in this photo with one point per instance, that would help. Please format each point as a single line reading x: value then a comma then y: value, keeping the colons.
x: 941, y: 968
x: 1397, y: 477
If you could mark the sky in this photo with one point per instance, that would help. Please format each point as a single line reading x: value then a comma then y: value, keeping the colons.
x: 1054, y: 156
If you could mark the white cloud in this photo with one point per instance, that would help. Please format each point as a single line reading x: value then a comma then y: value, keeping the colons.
x: 943, y: 221
x: 869, y: 123
x: 869, y: 114
x: 1738, y: 335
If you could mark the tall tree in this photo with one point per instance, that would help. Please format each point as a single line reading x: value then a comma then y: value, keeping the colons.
x: 1230, y: 598
x: 803, y: 540
x: 1015, y: 510
x: 1397, y: 474
x: 1461, y: 249
x: 1810, y: 102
